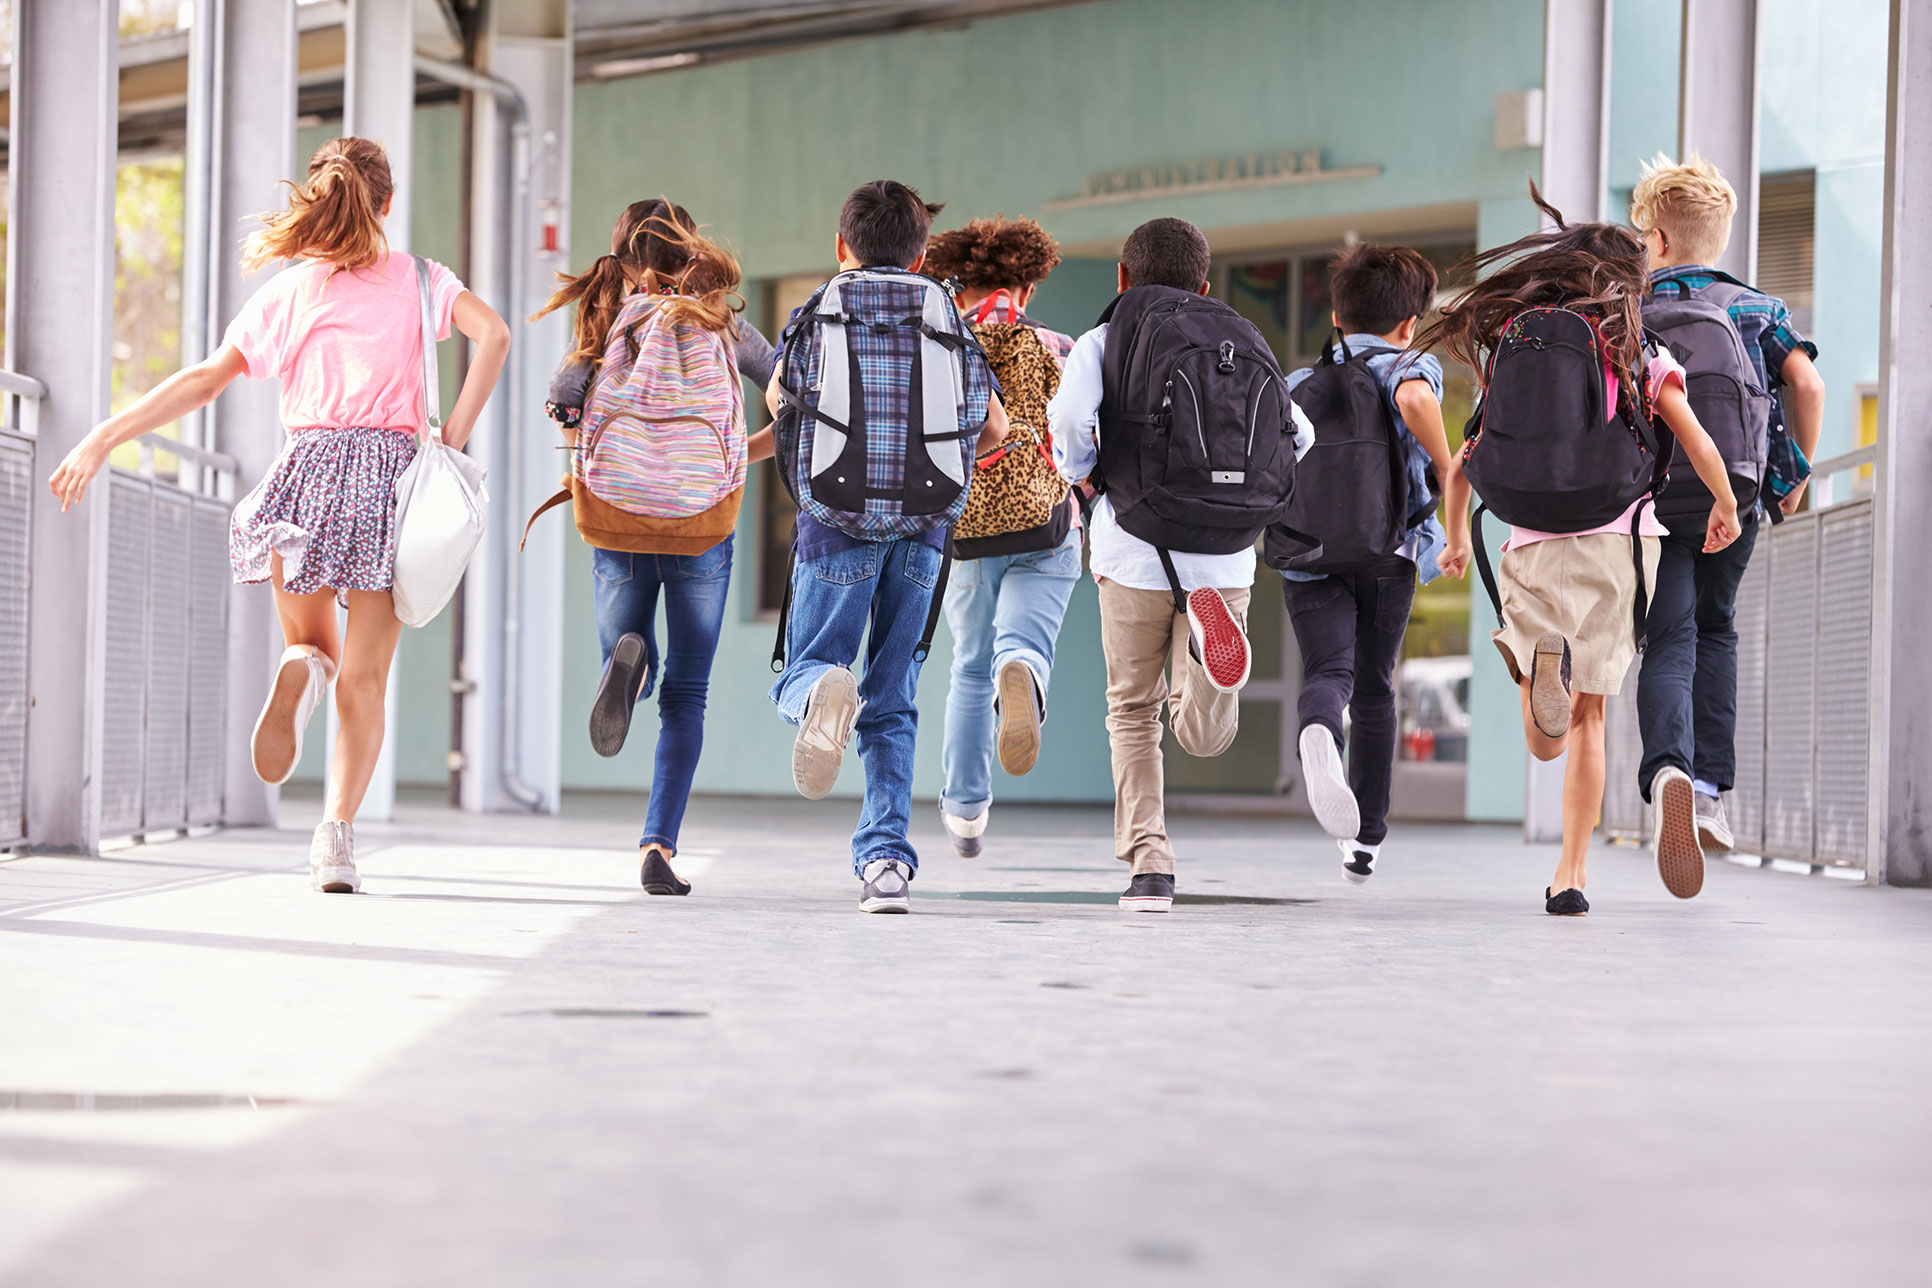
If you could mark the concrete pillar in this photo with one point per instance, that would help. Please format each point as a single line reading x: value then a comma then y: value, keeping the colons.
x: 251, y: 148
x: 1717, y: 111
x: 1902, y: 617
x: 60, y: 194
x: 379, y: 102
x: 513, y: 616
x: 1576, y: 106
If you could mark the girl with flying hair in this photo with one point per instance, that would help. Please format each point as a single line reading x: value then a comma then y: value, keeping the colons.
x: 1567, y: 632
x: 341, y: 330
x: 657, y: 320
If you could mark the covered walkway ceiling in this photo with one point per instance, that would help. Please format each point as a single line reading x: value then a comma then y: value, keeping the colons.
x: 615, y: 38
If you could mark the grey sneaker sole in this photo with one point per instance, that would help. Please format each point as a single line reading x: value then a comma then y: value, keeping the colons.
x: 1549, y: 700
x: 616, y: 700
x: 892, y: 903
x: 277, y: 744
x: 820, y: 747
x: 1328, y: 792
x: 1019, y: 737
x: 1680, y: 859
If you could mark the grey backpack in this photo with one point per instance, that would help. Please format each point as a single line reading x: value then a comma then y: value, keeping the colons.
x: 1723, y: 389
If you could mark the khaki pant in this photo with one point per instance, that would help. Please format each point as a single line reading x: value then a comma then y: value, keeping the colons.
x: 1144, y: 639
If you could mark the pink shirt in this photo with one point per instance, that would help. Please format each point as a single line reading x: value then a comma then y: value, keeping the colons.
x: 1663, y: 370
x: 345, y: 343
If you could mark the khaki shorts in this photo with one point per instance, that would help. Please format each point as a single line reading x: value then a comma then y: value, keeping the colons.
x: 1584, y: 589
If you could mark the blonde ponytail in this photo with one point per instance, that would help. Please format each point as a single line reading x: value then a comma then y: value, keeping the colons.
x: 334, y: 215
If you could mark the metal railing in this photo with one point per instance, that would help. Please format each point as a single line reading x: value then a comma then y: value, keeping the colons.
x: 19, y: 419
x: 1804, y: 623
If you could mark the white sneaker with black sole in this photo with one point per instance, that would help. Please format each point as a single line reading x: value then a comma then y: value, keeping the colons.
x: 1328, y: 791
x: 887, y: 888
x: 831, y: 710
x: 332, y: 859
x: 1358, y: 861
x: 965, y: 833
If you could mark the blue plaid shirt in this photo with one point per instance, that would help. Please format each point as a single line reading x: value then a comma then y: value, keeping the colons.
x: 1763, y: 320
x: 885, y: 371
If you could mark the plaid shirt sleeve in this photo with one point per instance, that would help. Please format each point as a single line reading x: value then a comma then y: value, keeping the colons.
x: 1779, y: 340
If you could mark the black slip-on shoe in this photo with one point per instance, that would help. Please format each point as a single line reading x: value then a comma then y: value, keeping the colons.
x: 1550, y: 685
x: 610, y: 710
x: 1149, y: 892
x: 657, y: 876
x: 1570, y: 903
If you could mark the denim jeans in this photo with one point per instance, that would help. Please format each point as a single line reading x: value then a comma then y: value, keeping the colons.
x: 1350, y: 627
x: 1687, y: 689
x: 886, y: 585
x: 1000, y: 609
x: 695, y: 588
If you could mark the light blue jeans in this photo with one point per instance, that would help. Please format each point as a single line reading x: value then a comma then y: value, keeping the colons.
x: 1001, y: 609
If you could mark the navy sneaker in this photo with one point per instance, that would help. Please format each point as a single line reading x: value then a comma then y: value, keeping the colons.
x: 1149, y: 892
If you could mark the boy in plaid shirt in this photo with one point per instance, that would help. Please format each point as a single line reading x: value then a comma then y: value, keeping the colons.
x: 1687, y: 689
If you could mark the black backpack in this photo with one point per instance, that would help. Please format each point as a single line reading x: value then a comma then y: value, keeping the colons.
x: 1196, y: 433
x: 1352, y: 489
x: 1542, y: 450
x: 1723, y: 389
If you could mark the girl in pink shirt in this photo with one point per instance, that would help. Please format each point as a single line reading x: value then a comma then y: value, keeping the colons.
x: 1567, y: 632
x: 342, y: 331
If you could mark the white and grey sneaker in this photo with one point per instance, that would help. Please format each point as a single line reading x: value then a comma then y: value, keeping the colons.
x: 301, y: 681
x: 1680, y: 858
x: 830, y: 712
x: 1713, y: 824
x: 887, y: 888
x: 1328, y: 791
x: 1358, y: 860
x: 964, y: 833
x: 1020, y: 710
x: 332, y: 859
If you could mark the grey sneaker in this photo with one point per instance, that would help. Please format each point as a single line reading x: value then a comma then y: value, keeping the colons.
x: 1149, y: 892
x: 887, y: 888
x: 332, y: 859
x: 965, y: 833
x: 1680, y: 859
x: 1713, y: 825
x: 819, y: 750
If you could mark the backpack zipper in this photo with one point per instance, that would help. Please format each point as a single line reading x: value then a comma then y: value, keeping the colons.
x: 1196, y: 398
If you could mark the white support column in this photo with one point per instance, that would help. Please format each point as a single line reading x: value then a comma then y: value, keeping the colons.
x: 1717, y: 111
x: 1902, y: 618
x: 1576, y: 168
x: 1576, y: 106
x: 513, y: 618
x: 253, y: 147
x: 379, y: 102
x: 60, y: 195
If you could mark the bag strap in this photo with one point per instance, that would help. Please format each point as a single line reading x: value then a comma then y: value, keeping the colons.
x: 1640, y: 606
x: 784, y: 613
x: 1482, y: 561
x: 561, y: 498
x: 432, y: 396
x: 938, y: 604
x: 1173, y: 580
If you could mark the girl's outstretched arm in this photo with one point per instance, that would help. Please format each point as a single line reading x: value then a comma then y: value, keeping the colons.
x: 491, y: 338
x: 1454, y: 559
x: 1675, y: 409
x: 189, y: 389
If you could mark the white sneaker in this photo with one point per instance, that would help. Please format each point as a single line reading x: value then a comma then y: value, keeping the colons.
x: 1358, y: 860
x: 1020, y: 711
x: 830, y: 712
x: 964, y: 833
x: 1328, y: 792
x: 301, y: 682
x: 1680, y: 857
x: 332, y: 859
x: 887, y: 888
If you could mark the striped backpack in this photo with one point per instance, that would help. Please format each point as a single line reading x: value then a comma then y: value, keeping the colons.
x: 659, y: 464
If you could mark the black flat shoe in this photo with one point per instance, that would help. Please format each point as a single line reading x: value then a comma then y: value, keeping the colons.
x: 1570, y: 903
x: 657, y: 876
x: 610, y: 710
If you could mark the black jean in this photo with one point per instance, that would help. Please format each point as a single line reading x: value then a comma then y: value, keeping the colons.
x: 1687, y: 689
x: 1350, y: 629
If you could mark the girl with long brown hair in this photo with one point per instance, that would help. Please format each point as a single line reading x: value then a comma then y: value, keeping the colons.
x: 341, y: 330
x: 659, y: 347
x: 1566, y: 597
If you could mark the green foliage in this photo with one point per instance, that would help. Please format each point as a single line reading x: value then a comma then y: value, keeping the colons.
x: 147, y: 277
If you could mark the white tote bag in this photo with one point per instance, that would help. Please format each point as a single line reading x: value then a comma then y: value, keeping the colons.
x: 439, y: 500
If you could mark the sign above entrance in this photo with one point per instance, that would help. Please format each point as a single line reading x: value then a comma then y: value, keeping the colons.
x: 1213, y: 174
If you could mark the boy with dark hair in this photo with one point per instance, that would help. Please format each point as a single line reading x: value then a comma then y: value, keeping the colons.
x: 1172, y: 620
x: 1350, y: 610
x: 879, y: 401
x: 1687, y: 688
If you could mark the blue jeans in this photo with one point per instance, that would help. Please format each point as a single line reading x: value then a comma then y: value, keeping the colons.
x: 1001, y: 609
x: 695, y: 588
x: 887, y: 584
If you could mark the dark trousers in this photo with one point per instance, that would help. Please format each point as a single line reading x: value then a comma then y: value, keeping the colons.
x: 1350, y: 629
x: 1687, y: 689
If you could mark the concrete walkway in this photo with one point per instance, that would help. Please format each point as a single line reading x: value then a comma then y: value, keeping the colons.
x: 504, y: 1065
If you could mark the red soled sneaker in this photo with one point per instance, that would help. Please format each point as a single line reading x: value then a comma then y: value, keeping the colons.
x: 1216, y: 640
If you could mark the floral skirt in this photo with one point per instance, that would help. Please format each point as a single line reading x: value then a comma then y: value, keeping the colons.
x: 328, y: 508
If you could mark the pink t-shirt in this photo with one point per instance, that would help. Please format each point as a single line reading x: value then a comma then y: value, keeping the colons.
x: 1663, y: 370
x: 345, y: 343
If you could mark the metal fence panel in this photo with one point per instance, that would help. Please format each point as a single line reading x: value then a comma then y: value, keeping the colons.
x: 16, y: 500
x: 165, y: 775
x: 207, y: 660
x: 130, y: 539
x: 1790, y: 677
x: 1745, y: 804
x: 1843, y: 728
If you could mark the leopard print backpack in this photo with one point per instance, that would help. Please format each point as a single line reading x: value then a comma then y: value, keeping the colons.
x: 1018, y: 501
